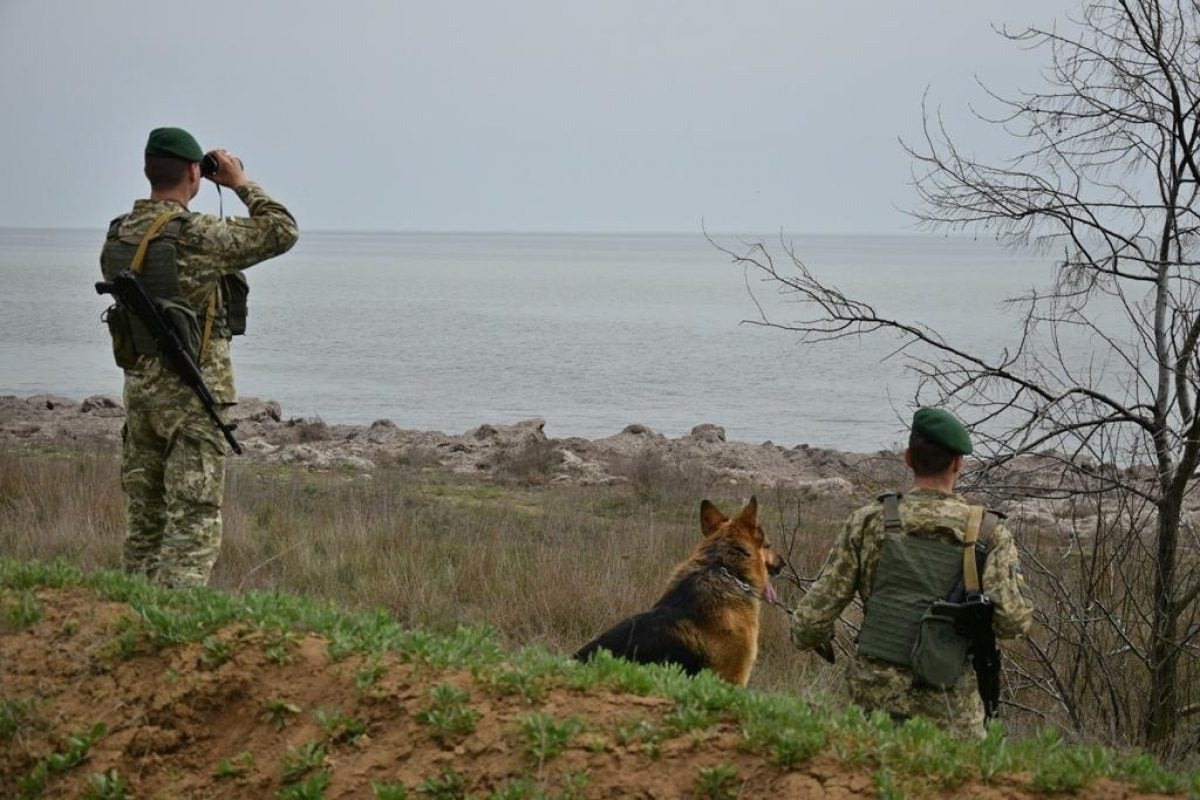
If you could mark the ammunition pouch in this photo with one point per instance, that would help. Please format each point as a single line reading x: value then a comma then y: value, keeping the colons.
x: 235, y: 290
x: 946, y: 636
x: 120, y: 328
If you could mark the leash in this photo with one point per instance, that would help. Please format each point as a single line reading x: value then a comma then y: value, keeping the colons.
x: 825, y: 650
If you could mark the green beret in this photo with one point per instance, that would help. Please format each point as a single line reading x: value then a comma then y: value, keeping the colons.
x: 943, y: 429
x: 174, y: 142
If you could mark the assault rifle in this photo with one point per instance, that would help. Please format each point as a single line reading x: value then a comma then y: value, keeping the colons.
x: 128, y: 290
x: 975, y: 623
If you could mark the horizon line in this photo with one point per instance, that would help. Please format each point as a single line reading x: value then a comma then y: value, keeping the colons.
x: 534, y: 232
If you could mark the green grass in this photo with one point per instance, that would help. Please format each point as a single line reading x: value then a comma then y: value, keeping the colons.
x: 545, y: 738
x: 783, y: 730
x: 449, y: 717
x: 74, y: 752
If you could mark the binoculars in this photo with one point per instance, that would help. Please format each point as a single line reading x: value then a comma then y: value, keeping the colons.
x: 209, y: 164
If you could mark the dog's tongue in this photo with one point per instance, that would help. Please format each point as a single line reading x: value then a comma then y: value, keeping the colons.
x: 769, y: 594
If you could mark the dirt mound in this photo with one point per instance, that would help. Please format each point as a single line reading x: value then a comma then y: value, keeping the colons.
x: 248, y: 712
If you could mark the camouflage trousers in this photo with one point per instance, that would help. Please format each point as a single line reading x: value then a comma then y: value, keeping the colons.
x: 173, y: 473
x: 877, y: 686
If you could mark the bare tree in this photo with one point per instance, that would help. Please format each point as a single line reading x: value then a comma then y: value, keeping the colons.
x: 1103, y: 179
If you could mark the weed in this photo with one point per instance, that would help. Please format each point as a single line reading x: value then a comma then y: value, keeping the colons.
x: 885, y: 784
x: 106, y: 786
x: 643, y: 733
x: 16, y: 714
x: 447, y: 785
x: 337, y: 727
x: 18, y: 610
x: 125, y: 642
x: 717, y: 783
x: 215, y: 652
x: 278, y: 648
x: 366, y: 675
x: 311, y: 788
x: 545, y: 738
x: 574, y: 783
x: 1150, y: 777
x: 516, y: 789
x: 389, y: 791
x: 235, y: 767
x: 789, y: 734
x: 299, y: 761
x: 449, y: 716
x: 78, y: 746
x: 1070, y: 769
x: 278, y: 711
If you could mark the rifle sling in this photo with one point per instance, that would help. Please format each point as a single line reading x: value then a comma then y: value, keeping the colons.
x: 156, y: 226
x: 970, y: 571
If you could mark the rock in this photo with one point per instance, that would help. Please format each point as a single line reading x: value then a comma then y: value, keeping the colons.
x: 485, y: 431
x: 51, y: 402
x: 637, y: 430
x: 252, y: 409
x: 100, y: 401
x: 712, y: 434
x: 382, y: 431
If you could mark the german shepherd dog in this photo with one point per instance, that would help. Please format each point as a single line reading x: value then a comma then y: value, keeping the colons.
x: 708, y: 616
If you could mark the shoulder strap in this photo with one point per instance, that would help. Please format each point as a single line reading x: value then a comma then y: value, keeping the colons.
x: 159, y: 221
x: 970, y: 571
x: 891, y: 512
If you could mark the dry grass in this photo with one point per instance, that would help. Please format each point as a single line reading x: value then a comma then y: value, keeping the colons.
x: 542, y: 564
x: 551, y: 565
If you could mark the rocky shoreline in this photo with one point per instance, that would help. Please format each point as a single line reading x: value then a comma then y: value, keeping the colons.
x: 487, y: 452
x: 522, y: 453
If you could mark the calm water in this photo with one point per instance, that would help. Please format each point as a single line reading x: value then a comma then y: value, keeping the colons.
x: 591, y: 332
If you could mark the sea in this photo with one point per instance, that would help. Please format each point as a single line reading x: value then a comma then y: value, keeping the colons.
x: 591, y: 332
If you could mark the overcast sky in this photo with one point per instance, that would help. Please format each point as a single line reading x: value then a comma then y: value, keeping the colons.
x: 527, y: 115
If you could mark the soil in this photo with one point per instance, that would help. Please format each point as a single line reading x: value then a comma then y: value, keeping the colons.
x: 173, y: 715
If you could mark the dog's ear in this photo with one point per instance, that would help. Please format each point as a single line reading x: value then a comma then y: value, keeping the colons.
x: 711, y: 517
x: 749, y: 515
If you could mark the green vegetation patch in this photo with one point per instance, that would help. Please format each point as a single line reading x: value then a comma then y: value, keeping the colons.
x: 449, y: 717
x: 19, y: 609
x: 784, y: 730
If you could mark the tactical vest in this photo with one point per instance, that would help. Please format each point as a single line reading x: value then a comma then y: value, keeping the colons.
x: 225, y: 315
x: 914, y: 575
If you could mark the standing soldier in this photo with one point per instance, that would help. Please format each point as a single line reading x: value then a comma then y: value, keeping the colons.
x: 904, y: 557
x: 173, y: 456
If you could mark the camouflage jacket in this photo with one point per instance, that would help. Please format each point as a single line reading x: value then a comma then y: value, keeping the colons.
x: 850, y: 568
x: 208, y: 248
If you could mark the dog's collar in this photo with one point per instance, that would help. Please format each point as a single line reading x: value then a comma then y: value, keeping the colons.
x: 746, y: 588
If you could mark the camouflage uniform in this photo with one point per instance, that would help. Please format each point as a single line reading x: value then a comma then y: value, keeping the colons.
x: 173, y: 458
x: 877, y: 685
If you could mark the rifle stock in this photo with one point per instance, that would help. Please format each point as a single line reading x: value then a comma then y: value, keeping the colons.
x: 128, y: 290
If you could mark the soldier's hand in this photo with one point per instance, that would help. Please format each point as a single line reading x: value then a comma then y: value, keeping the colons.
x: 229, y: 170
